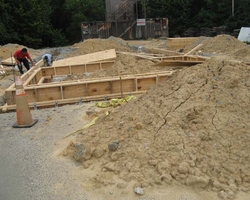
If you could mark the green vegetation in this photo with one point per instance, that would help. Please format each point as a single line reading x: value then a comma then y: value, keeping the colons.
x: 47, y: 23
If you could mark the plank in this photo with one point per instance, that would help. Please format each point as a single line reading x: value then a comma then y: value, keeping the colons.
x: 142, y: 55
x: 177, y: 63
x: 162, y: 51
x: 194, y: 49
x: 85, y: 88
x: 61, y: 102
x: 87, y: 58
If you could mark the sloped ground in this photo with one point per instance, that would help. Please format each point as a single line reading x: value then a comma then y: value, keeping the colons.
x: 193, y: 130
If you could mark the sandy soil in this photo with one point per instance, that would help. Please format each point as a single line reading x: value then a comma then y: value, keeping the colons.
x: 185, y: 139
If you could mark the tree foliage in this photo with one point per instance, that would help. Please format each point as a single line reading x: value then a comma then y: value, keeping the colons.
x: 57, y: 22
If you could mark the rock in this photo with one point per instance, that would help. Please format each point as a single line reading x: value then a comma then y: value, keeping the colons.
x: 82, y: 152
x: 113, y: 146
x: 139, y: 191
x: 79, y: 151
x: 98, y: 152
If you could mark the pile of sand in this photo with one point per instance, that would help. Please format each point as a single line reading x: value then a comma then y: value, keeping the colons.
x: 224, y: 44
x: 95, y: 45
x: 228, y: 45
x: 192, y: 130
x: 124, y: 65
x: 9, y: 49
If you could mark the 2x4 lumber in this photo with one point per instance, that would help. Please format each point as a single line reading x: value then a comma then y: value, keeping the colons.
x: 87, y: 58
x: 25, y: 76
x: 194, y: 49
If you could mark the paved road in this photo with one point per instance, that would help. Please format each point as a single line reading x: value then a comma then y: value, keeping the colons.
x: 28, y: 168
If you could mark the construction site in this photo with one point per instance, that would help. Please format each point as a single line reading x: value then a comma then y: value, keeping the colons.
x: 142, y: 116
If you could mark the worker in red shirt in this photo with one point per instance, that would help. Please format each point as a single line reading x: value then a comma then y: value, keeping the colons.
x: 22, y: 56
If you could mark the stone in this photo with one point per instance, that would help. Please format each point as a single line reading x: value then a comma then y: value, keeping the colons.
x: 139, y: 191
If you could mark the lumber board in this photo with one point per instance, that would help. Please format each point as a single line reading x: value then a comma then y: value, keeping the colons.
x: 162, y: 51
x: 33, y: 70
x: 151, y: 57
x: 61, y: 102
x: 184, y: 58
x: 85, y: 88
x: 194, y: 49
x: 87, y: 58
x: 43, y: 81
x: 178, y: 63
x: 76, y: 69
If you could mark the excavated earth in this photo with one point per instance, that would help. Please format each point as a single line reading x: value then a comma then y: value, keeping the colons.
x: 192, y: 130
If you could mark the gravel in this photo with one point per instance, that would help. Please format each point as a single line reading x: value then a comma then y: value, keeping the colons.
x: 28, y: 167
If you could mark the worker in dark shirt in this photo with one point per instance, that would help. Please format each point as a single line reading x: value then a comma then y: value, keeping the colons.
x: 22, y: 56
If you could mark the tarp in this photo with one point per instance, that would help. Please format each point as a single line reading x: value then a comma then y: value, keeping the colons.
x: 244, y: 34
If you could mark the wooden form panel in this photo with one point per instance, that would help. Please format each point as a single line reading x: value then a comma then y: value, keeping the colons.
x: 177, y: 63
x: 87, y: 58
x: 27, y: 76
x: 46, y: 104
x: 75, y: 91
x: 184, y: 58
x: 123, y: 85
x: 87, y: 88
x: 162, y: 51
x: 76, y: 69
x: 144, y: 83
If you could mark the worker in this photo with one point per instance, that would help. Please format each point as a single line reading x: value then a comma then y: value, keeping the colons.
x: 22, y: 56
x: 47, y: 59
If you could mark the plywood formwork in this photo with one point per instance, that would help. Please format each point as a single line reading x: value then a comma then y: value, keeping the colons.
x: 87, y: 58
x: 185, y: 60
x: 87, y: 89
x: 162, y: 51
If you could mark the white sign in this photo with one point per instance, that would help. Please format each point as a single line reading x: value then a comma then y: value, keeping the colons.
x: 244, y: 34
x: 141, y: 22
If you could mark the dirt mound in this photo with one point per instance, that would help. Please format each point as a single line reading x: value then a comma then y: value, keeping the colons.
x: 95, y: 45
x: 9, y: 49
x: 193, y: 130
x: 222, y: 44
x: 124, y: 65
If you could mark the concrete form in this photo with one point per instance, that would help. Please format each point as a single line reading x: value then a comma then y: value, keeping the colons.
x: 42, y: 92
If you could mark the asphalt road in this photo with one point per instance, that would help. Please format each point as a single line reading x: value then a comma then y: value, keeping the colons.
x: 29, y: 170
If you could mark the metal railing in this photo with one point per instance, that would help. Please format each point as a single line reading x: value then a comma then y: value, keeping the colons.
x: 124, y: 8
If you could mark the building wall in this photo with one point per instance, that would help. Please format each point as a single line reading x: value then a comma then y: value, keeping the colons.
x: 113, y: 5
